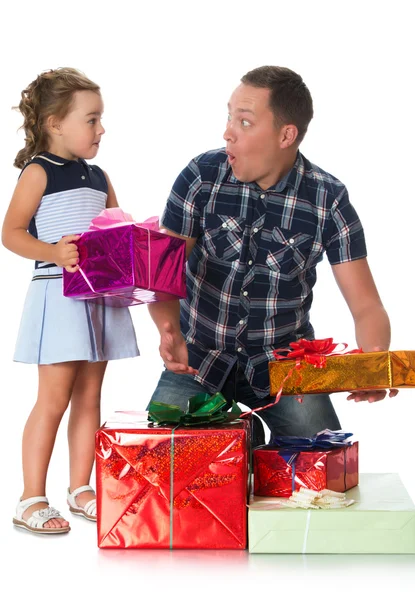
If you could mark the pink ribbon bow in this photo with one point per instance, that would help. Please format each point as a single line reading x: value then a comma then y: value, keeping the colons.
x: 116, y: 217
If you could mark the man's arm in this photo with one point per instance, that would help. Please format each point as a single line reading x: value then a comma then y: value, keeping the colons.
x: 166, y: 316
x: 372, y: 327
x: 356, y: 283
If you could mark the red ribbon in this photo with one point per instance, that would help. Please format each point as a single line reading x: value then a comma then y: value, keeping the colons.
x: 313, y: 352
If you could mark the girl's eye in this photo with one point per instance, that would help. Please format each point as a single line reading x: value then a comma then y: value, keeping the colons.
x: 229, y: 117
x: 92, y: 121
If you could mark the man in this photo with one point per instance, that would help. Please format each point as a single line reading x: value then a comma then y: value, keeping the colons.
x: 257, y: 218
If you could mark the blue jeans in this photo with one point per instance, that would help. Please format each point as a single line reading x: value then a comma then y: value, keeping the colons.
x: 287, y: 417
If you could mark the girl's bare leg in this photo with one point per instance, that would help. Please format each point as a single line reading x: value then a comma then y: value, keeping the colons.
x: 84, y: 420
x: 56, y: 383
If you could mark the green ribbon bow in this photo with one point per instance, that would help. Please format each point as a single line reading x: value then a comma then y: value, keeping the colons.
x: 202, y: 409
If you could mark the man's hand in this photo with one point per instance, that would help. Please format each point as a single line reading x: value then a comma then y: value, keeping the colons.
x: 173, y: 351
x: 371, y: 395
x: 372, y: 325
x: 66, y: 253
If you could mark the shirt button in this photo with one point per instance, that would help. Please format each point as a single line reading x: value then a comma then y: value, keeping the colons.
x: 249, y: 262
x: 224, y: 225
x: 262, y: 196
x: 241, y: 322
x: 239, y: 349
x: 255, y: 229
x: 245, y: 293
x: 82, y: 176
x: 291, y: 241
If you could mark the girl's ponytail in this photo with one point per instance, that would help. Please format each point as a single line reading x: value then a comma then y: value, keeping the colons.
x: 29, y: 106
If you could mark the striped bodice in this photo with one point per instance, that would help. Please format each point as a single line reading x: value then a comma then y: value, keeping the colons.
x: 68, y: 212
x: 75, y: 193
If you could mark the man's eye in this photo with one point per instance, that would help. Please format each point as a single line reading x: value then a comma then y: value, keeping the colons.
x: 245, y: 123
x: 92, y: 121
x: 229, y: 117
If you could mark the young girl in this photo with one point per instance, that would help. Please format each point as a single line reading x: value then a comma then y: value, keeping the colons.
x: 56, y: 197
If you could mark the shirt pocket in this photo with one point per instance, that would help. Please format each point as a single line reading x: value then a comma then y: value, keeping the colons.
x: 223, y: 236
x: 290, y: 252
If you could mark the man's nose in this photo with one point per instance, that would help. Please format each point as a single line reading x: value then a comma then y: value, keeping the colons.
x: 229, y: 134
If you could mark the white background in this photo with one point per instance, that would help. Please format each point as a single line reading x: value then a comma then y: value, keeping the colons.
x: 166, y: 70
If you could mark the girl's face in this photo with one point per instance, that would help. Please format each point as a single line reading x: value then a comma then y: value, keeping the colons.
x: 78, y: 135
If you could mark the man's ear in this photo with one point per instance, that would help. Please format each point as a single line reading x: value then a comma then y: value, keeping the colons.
x: 53, y: 125
x: 289, y: 135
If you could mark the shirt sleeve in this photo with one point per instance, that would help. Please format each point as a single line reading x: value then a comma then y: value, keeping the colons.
x: 182, y: 212
x: 344, y: 239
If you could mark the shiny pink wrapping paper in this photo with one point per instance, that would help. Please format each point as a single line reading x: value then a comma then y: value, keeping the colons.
x: 127, y: 265
x: 141, y: 503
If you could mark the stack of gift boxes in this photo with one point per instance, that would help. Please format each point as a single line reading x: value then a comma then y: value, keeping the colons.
x: 378, y: 515
x: 174, y: 479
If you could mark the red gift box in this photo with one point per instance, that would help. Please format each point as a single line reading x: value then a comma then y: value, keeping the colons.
x: 279, y: 472
x: 166, y: 487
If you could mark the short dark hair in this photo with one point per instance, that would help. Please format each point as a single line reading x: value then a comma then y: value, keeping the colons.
x: 290, y: 99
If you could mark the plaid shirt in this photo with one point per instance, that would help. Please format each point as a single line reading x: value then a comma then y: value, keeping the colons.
x: 251, y: 273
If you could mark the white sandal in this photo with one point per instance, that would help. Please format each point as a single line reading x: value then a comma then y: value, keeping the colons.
x: 38, y: 518
x: 89, y: 511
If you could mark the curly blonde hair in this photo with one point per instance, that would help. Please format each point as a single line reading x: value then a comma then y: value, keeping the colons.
x: 51, y: 93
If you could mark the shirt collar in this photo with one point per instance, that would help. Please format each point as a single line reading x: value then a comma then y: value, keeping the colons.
x: 295, y: 175
x: 58, y: 160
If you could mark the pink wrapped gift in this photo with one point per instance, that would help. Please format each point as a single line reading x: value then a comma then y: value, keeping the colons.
x: 124, y: 263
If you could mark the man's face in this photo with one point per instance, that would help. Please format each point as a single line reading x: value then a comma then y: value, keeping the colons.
x: 253, y: 141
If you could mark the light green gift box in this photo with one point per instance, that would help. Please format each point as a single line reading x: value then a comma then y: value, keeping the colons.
x: 382, y: 521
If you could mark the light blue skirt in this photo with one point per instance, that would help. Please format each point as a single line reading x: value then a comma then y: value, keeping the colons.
x: 56, y: 329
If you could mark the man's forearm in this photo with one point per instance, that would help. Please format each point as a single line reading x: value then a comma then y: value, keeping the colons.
x: 372, y: 329
x: 165, y: 312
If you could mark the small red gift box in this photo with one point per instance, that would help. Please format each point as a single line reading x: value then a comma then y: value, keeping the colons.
x: 167, y: 487
x: 279, y: 472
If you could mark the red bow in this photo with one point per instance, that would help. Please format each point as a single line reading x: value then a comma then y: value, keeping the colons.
x: 314, y: 352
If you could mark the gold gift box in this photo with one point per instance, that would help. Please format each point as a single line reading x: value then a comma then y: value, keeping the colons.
x: 346, y: 373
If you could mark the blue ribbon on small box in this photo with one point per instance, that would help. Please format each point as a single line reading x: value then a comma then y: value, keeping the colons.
x: 325, y: 439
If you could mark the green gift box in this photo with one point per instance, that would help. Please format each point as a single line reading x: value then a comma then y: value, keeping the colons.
x: 381, y: 521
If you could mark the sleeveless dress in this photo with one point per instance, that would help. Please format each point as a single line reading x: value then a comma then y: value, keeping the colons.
x: 53, y: 328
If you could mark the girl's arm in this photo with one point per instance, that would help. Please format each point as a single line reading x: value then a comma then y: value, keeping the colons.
x: 111, y: 198
x: 24, y: 203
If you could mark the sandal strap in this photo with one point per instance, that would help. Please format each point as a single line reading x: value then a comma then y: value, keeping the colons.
x: 39, y: 517
x: 91, y: 508
x: 27, y: 502
x: 72, y: 495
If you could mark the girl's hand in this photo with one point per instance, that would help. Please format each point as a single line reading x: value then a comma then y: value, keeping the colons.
x: 66, y: 253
